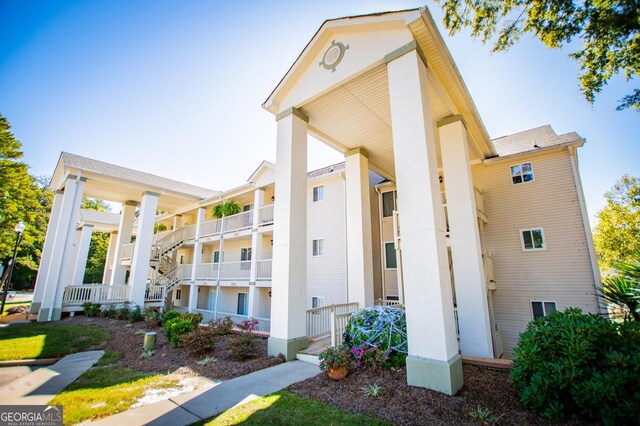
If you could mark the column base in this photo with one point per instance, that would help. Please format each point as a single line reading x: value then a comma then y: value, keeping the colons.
x: 35, y: 307
x: 43, y: 314
x: 289, y: 348
x: 441, y: 376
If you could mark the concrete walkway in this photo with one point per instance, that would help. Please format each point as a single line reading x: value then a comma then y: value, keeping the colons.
x: 199, y: 405
x: 40, y: 386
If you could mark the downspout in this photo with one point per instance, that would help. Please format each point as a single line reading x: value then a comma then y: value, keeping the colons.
x: 220, y: 263
x: 381, y: 241
x: 346, y: 247
x: 585, y: 222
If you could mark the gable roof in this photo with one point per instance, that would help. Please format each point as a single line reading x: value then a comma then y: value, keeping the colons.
x: 95, y: 216
x: 532, y: 140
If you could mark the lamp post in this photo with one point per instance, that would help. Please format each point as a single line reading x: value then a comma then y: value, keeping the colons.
x: 19, y: 229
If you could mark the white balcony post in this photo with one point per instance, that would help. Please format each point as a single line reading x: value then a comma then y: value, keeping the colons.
x: 288, y: 330
x: 125, y: 230
x: 108, y: 264
x: 256, y: 252
x: 47, y: 251
x: 142, y: 249
x: 197, y: 259
x: 468, y: 270
x: 82, y: 255
x: 433, y: 360
x: 63, y: 243
x: 359, y: 240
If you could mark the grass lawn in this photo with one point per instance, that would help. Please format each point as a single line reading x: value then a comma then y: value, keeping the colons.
x: 286, y: 408
x: 103, y: 391
x: 25, y: 341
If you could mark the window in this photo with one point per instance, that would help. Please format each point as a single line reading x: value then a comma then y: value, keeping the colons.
x: 521, y: 173
x: 243, y: 304
x: 389, y: 201
x: 532, y: 239
x: 247, y: 208
x: 318, y: 193
x: 318, y: 247
x: 390, y: 261
x: 542, y: 309
x: 216, y: 256
x: 393, y: 298
x: 317, y: 302
x: 245, y: 257
x: 212, y: 300
x: 182, y: 259
x: 178, y: 294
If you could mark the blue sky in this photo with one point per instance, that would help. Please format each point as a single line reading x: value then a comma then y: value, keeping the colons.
x: 175, y: 87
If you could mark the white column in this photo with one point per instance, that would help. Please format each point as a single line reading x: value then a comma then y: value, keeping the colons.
x: 47, y: 251
x: 124, y: 237
x: 197, y: 259
x: 466, y: 251
x: 108, y: 264
x: 359, y: 241
x: 256, y: 252
x: 82, y: 254
x: 288, y: 330
x: 142, y: 249
x: 433, y: 360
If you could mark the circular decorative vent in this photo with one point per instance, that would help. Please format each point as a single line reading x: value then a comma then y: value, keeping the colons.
x: 333, y: 55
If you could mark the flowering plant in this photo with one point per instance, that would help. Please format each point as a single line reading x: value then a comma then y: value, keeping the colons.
x: 333, y: 358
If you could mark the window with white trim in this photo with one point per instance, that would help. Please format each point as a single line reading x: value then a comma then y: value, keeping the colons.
x: 390, y: 261
x: 389, y: 203
x: 243, y: 304
x: 317, y: 302
x: 216, y: 256
x: 521, y: 173
x: 541, y: 308
x: 532, y: 239
x: 245, y: 258
x: 318, y: 193
x: 318, y: 247
x: 178, y: 294
x: 247, y: 207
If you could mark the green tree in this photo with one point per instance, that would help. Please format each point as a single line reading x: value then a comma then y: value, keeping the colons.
x: 609, y: 32
x: 623, y: 288
x: 616, y: 235
x: 99, y: 244
x: 21, y: 198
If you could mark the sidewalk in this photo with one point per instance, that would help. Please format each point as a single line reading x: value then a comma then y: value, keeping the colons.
x: 40, y: 386
x: 202, y: 404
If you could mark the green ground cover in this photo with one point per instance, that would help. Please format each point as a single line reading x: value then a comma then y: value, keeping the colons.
x: 286, y: 408
x: 26, y: 341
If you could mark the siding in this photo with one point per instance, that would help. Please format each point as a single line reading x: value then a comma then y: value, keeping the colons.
x: 562, y: 273
x: 326, y: 275
x: 375, y: 179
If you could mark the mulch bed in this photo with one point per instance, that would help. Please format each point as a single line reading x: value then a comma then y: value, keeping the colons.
x: 401, y: 404
x: 169, y: 359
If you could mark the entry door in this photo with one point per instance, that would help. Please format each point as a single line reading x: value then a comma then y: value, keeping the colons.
x: 212, y: 300
x: 243, y: 304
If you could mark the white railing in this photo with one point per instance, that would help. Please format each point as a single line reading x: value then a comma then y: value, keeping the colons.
x: 95, y: 293
x: 160, y: 235
x: 211, y: 227
x: 154, y: 293
x: 181, y: 309
x: 238, y: 221
x: 169, y: 241
x: 263, y: 269
x: 319, y: 319
x: 206, y: 314
x: 338, y: 326
x: 127, y: 251
x: 265, y: 215
x: 234, y: 317
x: 189, y: 232
x: 387, y: 302
x: 236, y: 270
x: 206, y: 271
x: 264, y: 324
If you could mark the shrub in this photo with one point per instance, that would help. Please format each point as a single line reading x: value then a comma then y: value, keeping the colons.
x: 572, y: 363
x: 170, y: 315
x: 176, y: 328
x: 222, y: 326
x: 381, y: 332
x: 108, y: 311
x: 135, y: 313
x: 194, y: 318
x: 243, y: 345
x: 374, y: 357
x: 200, y: 341
x: 152, y: 316
x: 91, y: 309
x: 332, y: 358
x: 122, y: 311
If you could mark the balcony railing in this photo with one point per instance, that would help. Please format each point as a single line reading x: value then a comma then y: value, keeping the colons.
x: 211, y: 227
x: 95, y: 293
x: 154, y: 293
x: 319, y: 319
x: 236, y: 270
x: 238, y: 221
x: 263, y: 269
x: 127, y: 251
x: 265, y: 215
x: 206, y: 271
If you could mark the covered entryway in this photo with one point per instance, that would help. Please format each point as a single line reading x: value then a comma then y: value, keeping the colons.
x: 384, y: 90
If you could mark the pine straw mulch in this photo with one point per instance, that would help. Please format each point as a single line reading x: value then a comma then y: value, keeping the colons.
x: 401, y: 404
x: 127, y: 338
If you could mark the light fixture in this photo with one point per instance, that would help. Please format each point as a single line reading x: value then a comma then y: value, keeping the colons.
x: 271, y: 242
x: 269, y: 293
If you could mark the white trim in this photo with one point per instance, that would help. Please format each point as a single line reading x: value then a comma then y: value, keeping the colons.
x: 384, y: 257
x: 534, y: 228
x: 544, y: 310
x: 323, y: 247
x: 246, y: 302
x: 318, y: 299
x: 178, y: 294
x: 521, y: 174
x: 313, y: 193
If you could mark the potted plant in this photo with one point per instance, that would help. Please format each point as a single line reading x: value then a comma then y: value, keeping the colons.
x: 227, y: 208
x: 334, y: 361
